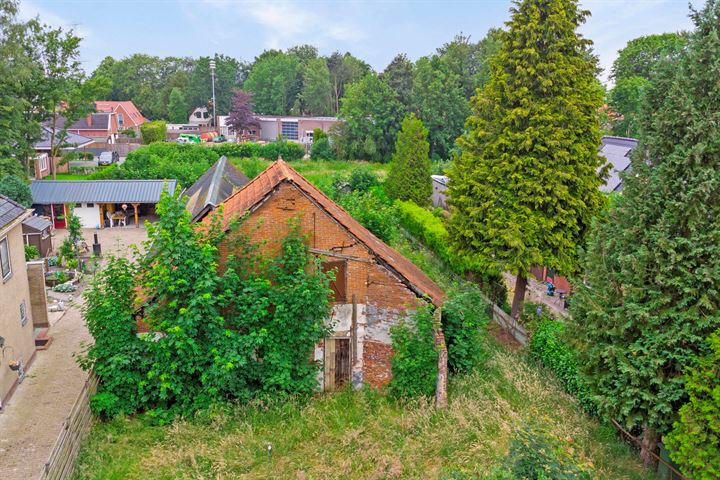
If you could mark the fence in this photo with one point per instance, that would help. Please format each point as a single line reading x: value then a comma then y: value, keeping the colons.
x: 509, y: 324
x: 61, y: 463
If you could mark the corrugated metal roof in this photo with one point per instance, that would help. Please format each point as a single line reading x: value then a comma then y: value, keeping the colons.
x: 213, y: 187
x: 617, y: 152
x: 9, y: 211
x: 45, y: 192
x: 72, y: 140
x: 37, y: 223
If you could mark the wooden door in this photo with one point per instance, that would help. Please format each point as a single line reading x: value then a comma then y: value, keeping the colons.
x: 337, y: 363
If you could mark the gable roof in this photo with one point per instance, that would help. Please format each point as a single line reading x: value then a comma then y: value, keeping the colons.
x: 72, y: 140
x: 10, y: 211
x: 37, y: 223
x: 213, y: 187
x: 132, y: 114
x: 99, y: 121
x: 617, y: 152
x: 262, y: 186
x: 45, y: 192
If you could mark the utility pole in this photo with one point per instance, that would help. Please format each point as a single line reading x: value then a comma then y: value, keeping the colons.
x: 212, y: 75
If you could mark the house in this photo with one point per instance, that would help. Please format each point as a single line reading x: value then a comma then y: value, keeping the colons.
x: 127, y: 115
x: 213, y: 187
x: 375, y: 286
x: 101, y: 127
x: 439, y: 195
x: 37, y: 231
x: 72, y: 142
x: 617, y: 151
x: 200, y: 117
x: 17, y: 342
x: 298, y: 129
x: 98, y: 203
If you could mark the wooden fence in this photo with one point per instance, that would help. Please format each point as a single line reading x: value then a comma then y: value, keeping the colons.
x: 61, y: 463
x: 510, y: 324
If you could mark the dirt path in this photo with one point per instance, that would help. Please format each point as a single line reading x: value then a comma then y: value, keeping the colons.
x: 34, y: 415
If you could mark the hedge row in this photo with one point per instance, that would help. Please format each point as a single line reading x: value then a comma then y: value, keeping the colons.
x: 290, y: 151
x: 548, y: 347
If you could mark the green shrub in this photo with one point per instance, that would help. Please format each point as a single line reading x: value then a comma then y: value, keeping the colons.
x: 185, y: 163
x: 251, y: 167
x: 322, y: 150
x: 464, y: 316
x: 362, y: 179
x: 289, y: 151
x: 319, y: 134
x: 153, y: 132
x: 695, y: 440
x: 547, y: 346
x: 107, y: 173
x: 65, y: 288
x: 242, y: 150
x: 129, y: 132
x: 414, y: 359
x: 31, y: 253
x: 373, y: 210
x: 16, y: 189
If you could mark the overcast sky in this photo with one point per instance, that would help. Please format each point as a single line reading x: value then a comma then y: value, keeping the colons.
x: 370, y: 29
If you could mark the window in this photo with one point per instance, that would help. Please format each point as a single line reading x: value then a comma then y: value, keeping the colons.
x: 289, y: 130
x: 198, y: 115
x: 339, y: 285
x: 43, y: 162
x: 90, y: 205
x: 120, y: 119
x: 5, y: 267
x: 23, y: 313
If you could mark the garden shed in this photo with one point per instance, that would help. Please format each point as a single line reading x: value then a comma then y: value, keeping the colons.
x: 37, y: 231
x: 99, y: 203
x: 375, y: 286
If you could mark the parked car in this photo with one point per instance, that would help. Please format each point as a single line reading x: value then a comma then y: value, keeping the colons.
x: 108, y: 158
x: 189, y: 138
x: 182, y: 140
x: 219, y: 139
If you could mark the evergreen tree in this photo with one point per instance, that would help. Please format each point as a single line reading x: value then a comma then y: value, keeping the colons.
x: 525, y: 187
x: 654, y: 262
x: 178, y: 107
x: 410, y: 169
x: 17, y: 189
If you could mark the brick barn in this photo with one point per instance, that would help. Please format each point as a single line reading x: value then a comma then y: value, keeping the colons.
x: 375, y: 286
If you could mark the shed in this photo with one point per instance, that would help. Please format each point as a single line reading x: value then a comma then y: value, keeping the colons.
x: 99, y: 203
x: 37, y: 231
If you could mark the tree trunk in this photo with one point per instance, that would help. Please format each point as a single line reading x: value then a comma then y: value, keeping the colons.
x: 441, y: 400
x: 519, y: 297
x: 648, y: 446
x: 52, y: 145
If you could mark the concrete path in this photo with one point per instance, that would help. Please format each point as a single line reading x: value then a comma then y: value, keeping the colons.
x: 34, y: 415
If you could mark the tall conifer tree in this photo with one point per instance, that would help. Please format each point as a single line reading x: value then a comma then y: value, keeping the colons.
x: 654, y: 262
x: 524, y: 188
x: 409, y: 175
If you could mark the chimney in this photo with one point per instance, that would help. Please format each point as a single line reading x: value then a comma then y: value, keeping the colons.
x: 89, y: 119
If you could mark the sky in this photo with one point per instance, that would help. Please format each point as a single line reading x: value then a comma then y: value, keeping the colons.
x: 372, y: 30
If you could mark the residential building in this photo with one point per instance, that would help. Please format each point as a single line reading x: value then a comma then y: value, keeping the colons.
x: 127, y: 115
x: 439, y: 195
x: 298, y: 129
x: 213, y: 187
x: 72, y: 142
x: 98, y: 203
x: 374, y: 287
x: 617, y: 151
x: 101, y: 127
x: 200, y: 117
x: 17, y: 343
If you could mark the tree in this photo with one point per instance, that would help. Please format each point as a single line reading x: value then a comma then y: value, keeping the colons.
x: 178, y: 108
x: 371, y: 121
x: 344, y: 70
x: 626, y: 98
x: 695, y: 440
x: 10, y: 166
x: 16, y: 189
x: 241, y: 115
x: 398, y: 75
x: 316, y: 90
x: 271, y: 80
x: 525, y: 187
x: 227, y: 79
x: 651, y: 261
x: 410, y: 169
x: 153, y: 131
x: 441, y: 105
x: 641, y: 56
x: 468, y: 60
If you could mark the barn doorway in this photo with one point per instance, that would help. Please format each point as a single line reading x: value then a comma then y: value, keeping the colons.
x: 338, y: 364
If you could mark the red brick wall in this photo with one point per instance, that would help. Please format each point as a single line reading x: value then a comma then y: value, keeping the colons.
x: 376, y: 363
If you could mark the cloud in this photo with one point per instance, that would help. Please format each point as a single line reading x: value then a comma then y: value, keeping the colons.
x: 29, y: 10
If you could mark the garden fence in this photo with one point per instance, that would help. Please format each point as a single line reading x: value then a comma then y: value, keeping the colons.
x: 61, y: 463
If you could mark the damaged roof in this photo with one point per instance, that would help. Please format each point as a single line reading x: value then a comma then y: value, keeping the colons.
x: 253, y: 193
x: 213, y: 187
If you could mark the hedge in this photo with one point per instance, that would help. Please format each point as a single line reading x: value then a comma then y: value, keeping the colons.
x: 548, y: 347
x: 290, y: 151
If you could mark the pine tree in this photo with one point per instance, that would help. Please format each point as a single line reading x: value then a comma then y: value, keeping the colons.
x: 409, y: 174
x: 524, y: 188
x: 178, y: 109
x: 654, y: 262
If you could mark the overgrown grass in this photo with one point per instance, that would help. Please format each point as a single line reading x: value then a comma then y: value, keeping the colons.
x: 361, y: 435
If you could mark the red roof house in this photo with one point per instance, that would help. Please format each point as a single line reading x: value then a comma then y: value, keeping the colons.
x: 126, y: 113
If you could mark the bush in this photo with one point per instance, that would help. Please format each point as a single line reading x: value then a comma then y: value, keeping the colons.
x: 319, y: 134
x: 31, y: 253
x: 464, y: 316
x: 129, y: 132
x: 65, y: 288
x: 16, y: 189
x: 153, y: 132
x: 289, y: 151
x: 373, y: 210
x: 414, y: 359
x: 185, y: 163
x: 11, y: 166
x: 695, y: 440
x: 362, y: 179
x: 107, y: 173
x: 242, y: 150
x: 322, y: 150
x: 549, y: 348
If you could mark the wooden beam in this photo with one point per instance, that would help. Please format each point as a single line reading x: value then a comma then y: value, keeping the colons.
x: 329, y: 253
x: 136, y: 205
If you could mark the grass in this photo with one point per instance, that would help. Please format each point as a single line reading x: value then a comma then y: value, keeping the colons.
x: 70, y: 176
